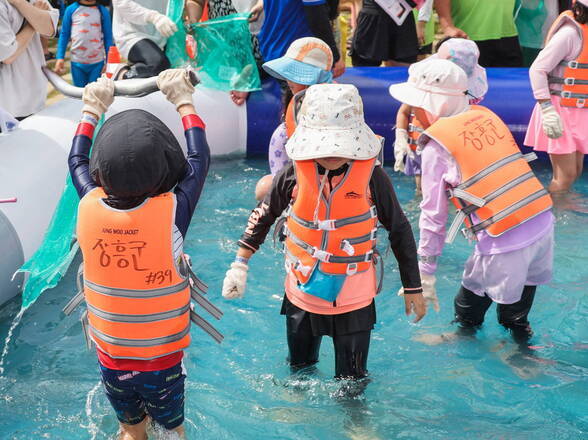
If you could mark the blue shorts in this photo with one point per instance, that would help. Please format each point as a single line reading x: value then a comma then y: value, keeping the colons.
x: 136, y: 394
x: 83, y: 74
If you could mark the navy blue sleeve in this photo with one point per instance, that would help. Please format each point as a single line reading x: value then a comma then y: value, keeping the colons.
x: 190, y: 187
x: 79, y: 160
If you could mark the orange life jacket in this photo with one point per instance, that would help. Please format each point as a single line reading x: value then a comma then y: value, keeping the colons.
x: 574, y: 83
x: 289, y: 119
x: 499, y: 190
x: 138, y: 300
x: 331, y: 229
x: 415, y: 129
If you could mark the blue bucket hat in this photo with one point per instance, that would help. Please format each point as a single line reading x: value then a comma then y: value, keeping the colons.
x: 307, y: 61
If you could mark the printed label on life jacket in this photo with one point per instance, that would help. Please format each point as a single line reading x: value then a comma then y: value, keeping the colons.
x: 480, y: 133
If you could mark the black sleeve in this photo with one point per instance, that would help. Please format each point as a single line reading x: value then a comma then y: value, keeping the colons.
x: 79, y: 164
x: 317, y: 17
x: 263, y: 217
x: 392, y: 217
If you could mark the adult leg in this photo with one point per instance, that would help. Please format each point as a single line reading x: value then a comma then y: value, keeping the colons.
x: 565, y: 172
x: 509, y: 52
x: 358, y: 61
x: 351, y: 354
x: 147, y: 59
x: 579, y: 164
x: 303, y: 346
x: 514, y: 316
x: 470, y: 310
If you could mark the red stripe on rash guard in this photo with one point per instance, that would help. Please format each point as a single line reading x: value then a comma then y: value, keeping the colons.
x: 191, y: 121
x: 85, y: 129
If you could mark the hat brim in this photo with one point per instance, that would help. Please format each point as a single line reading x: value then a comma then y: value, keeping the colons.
x: 288, y: 69
x: 477, y: 82
x: 436, y: 104
x: 359, y: 143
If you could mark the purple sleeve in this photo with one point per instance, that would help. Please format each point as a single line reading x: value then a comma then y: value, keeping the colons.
x: 438, y: 170
x: 277, y: 155
x: 190, y: 186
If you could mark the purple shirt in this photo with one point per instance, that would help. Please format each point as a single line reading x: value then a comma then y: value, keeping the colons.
x: 439, y: 170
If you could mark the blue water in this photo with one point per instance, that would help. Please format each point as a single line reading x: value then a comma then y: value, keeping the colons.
x: 243, y: 389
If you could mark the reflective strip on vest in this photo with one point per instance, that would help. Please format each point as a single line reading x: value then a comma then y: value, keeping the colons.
x: 506, y: 212
x: 116, y: 317
x: 335, y: 223
x: 486, y: 171
x: 123, y: 342
x: 327, y: 257
x: 130, y: 293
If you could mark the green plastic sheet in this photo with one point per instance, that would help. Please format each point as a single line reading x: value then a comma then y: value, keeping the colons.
x: 50, y: 263
x: 225, y: 54
x: 530, y: 18
x: 175, y: 49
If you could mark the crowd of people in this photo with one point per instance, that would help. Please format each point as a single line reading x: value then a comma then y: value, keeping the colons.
x: 327, y: 191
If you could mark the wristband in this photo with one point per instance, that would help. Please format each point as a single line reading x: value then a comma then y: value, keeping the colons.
x: 89, y: 119
x: 239, y: 259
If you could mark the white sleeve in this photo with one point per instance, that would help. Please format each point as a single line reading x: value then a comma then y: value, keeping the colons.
x: 8, y: 44
x: 426, y: 11
x: 131, y: 11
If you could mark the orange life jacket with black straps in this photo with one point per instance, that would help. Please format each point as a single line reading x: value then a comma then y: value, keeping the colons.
x: 334, y: 229
x: 137, y: 294
x: 415, y: 129
x: 499, y: 190
x: 574, y: 92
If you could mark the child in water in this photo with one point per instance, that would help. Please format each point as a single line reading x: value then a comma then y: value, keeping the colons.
x: 559, y: 78
x: 465, y: 54
x: 334, y: 195
x: 126, y: 186
x: 307, y: 61
x: 469, y: 154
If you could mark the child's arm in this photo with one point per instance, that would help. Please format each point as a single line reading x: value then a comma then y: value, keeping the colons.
x: 64, y: 37
x: 97, y: 98
x: 403, y: 116
x: 194, y: 10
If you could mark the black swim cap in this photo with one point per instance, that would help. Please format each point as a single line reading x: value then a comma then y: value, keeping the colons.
x: 135, y: 155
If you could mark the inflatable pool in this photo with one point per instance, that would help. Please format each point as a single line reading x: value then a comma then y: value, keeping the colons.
x: 34, y: 158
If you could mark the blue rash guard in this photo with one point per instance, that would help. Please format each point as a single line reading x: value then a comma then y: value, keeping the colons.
x: 187, y: 190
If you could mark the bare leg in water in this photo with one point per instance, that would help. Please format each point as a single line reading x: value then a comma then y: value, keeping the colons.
x: 566, y: 169
x: 139, y: 431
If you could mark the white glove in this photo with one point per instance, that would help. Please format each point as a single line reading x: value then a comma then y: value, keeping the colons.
x: 176, y: 86
x: 98, y: 96
x: 552, y: 125
x: 235, y: 281
x: 401, y: 149
x: 429, y: 291
x: 163, y: 24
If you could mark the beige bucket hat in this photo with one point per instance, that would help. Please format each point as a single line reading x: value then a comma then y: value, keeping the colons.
x: 331, y: 124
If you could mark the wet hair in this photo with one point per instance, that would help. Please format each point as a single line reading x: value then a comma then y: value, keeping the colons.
x: 580, y: 13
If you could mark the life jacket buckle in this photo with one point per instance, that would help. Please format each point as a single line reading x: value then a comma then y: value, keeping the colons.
x: 374, y: 234
x: 573, y: 64
x: 570, y: 81
x: 468, y: 234
x: 351, y: 269
x: 373, y: 211
x: 566, y: 94
x: 321, y: 255
x: 304, y: 270
x: 581, y: 102
x: 369, y: 255
x: 347, y: 248
x: 326, y: 225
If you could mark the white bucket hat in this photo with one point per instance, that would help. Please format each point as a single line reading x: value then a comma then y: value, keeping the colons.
x: 437, y: 86
x: 331, y: 124
x: 465, y: 54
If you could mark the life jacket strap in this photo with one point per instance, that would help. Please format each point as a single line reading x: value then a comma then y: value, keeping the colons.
x: 574, y: 64
x: 415, y: 128
x: 206, y: 326
x: 566, y: 81
x: 507, y: 211
x: 79, y: 296
x: 134, y: 319
x: 86, y: 329
x: 466, y: 197
x: 331, y: 225
x: 566, y: 94
x: 205, y: 304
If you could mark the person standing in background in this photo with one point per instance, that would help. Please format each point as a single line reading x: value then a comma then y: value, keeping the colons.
x: 489, y: 23
x: 23, y: 87
x: 89, y: 27
x: 288, y: 20
x: 378, y: 38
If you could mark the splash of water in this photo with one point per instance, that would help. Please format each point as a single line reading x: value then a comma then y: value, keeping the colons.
x: 13, y: 326
x: 92, y: 426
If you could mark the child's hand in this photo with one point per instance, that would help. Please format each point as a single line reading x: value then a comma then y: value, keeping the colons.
x: 420, y: 28
x: 256, y: 11
x: 43, y: 5
x: 59, y: 67
x: 176, y: 86
x: 98, y: 96
x: 414, y: 302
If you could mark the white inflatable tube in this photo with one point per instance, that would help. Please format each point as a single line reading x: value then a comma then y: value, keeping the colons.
x: 33, y: 165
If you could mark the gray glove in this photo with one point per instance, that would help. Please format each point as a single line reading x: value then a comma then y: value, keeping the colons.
x: 176, y: 86
x: 98, y: 96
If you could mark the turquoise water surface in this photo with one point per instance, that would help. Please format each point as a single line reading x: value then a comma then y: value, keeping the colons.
x: 481, y: 388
